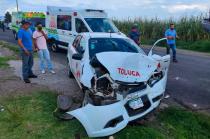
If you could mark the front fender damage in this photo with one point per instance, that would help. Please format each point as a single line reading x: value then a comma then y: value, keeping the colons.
x: 100, y: 121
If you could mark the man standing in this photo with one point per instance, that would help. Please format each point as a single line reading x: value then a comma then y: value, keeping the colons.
x: 135, y: 34
x: 40, y: 44
x: 26, y: 47
x: 3, y: 27
x: 171, y: 36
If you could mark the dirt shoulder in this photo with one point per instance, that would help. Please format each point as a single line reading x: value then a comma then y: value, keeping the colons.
x: 10, y: 84
x: 11, y: 78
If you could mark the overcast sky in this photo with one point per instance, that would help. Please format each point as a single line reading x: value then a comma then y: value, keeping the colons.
x: 121, y: 9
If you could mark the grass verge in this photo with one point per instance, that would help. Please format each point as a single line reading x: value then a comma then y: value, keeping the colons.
x: 4, y: 62
x: 10, y: 46
x: 14, y: 48
x: 30, y: 116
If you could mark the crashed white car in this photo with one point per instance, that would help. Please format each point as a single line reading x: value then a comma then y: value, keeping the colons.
x: 121, y: 83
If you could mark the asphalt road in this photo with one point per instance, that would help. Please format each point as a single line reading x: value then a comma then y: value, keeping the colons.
x: 188, y: 81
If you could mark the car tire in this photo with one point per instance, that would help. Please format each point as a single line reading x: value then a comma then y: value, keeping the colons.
x: 15, y: 35
x: 70, y: 74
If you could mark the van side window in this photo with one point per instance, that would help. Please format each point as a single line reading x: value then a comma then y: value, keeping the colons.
x: 80, y: 26
x: 64, y: 22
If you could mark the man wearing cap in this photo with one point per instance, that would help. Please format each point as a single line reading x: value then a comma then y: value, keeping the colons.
x: 135, y: 34
x: 26, y: 48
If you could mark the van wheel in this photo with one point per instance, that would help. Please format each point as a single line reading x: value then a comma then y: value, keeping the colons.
x: 54, y: 47
x: 15, y: 35
x: 70, y: 74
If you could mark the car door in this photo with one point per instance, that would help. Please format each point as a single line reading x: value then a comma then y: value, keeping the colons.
x: 72, y: 51
x: 64, y: 28
x: 79, y: 64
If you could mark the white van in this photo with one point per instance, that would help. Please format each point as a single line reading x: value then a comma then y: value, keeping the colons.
x: 64, y: 23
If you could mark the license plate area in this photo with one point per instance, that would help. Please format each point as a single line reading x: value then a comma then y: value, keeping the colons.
x: 136, y: 103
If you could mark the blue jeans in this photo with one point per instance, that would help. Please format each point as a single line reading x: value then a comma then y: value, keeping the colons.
x: 27, y: 64
x: 173, y: 47
x: 44, y: 56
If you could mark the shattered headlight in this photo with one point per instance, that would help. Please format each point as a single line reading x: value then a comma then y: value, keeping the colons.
x: 156, y: 77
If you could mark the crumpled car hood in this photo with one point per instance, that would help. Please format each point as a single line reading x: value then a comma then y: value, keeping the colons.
x: 128, y: 67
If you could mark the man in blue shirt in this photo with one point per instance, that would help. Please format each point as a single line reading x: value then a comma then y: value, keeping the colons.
x: 26, y: 47
x: 171, y: 36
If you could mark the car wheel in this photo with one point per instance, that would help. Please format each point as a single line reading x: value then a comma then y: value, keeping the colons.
x: 54, y: 47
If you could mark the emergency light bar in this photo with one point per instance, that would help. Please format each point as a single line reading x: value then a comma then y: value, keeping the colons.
x: 92, y: 10
x: 33, y: 15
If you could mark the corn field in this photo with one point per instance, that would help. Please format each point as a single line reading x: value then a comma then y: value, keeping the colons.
x: 189, y: 29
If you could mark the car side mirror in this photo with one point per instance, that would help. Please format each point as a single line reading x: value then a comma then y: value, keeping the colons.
x: 77, y: 56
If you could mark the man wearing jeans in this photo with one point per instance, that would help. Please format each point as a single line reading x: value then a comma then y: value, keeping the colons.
x: 41, y: 45
x: 171, y: 36
x: 26, y: 47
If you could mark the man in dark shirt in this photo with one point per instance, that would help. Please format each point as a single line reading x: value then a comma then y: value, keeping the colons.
x: 135, y: 34
x: 26, y: 47
x: 3, y: 27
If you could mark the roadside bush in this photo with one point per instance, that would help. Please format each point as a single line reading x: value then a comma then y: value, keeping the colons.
x: 189, y: 29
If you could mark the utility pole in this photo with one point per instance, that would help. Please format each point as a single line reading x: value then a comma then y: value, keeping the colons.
x: 209, y: 14
x: 17, y: 4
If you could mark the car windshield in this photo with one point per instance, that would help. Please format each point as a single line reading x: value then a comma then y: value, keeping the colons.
x: 101, y: 25
x: 98, y: 45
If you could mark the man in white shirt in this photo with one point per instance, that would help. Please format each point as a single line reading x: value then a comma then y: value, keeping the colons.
x: 40, y: 43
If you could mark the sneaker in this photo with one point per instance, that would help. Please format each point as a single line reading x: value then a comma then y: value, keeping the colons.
x: 175, y: 61
x: 43, y: 72
x: 52, y: 71
x: 27, y: 81
x: 32, y: 76
x: 167, y: 96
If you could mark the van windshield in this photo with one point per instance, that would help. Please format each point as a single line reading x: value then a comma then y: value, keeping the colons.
x: 101, y: 25
x: 34, y: 21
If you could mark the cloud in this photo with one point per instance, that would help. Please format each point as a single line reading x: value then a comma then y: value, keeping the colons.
x: 185, y: 7
x: 11, y: 9
x: 118, y: 8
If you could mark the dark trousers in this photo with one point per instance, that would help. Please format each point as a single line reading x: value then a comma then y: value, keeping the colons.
x: 27, y: 64
x: 173, y: 48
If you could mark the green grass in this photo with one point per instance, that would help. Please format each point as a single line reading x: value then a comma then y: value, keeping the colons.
x: 30, y: 117
x: 201, y: 45
x: 10, y: 46
x: 189, y: 29
x: 14, y: 48
x: 3, y: 62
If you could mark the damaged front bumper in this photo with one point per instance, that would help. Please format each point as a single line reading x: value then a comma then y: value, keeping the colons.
x: 100, y: 121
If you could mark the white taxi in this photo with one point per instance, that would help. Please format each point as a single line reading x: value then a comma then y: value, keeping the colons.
x: 120, y: 82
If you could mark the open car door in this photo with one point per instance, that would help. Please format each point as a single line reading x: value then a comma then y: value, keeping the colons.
x: 163, y: 60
